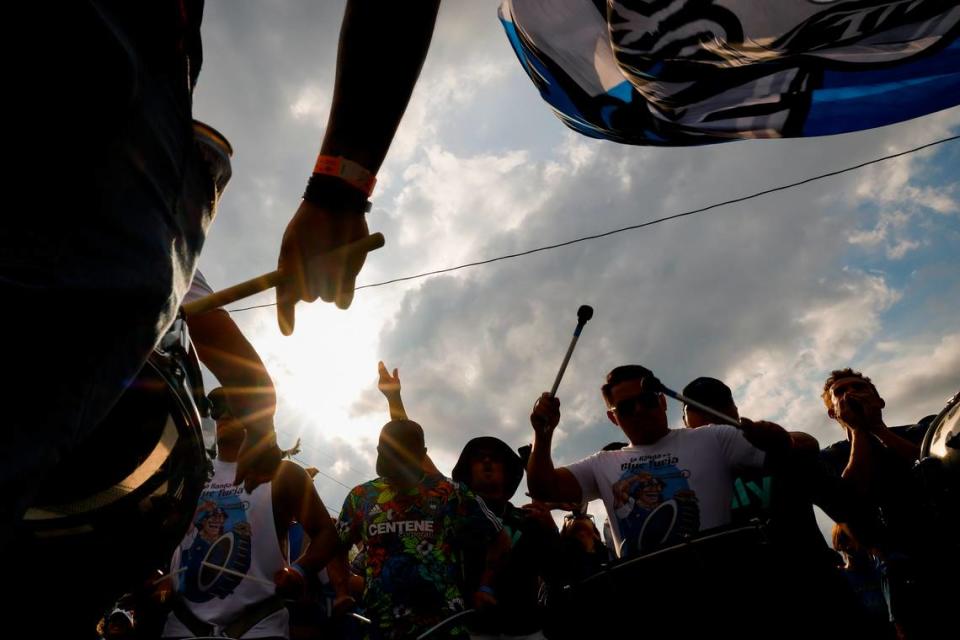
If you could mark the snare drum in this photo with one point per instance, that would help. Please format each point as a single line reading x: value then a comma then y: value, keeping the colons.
x: 723, y: 582
x: 117, y: 505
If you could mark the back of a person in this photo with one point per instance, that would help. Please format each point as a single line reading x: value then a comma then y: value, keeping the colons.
x: 411, y: 572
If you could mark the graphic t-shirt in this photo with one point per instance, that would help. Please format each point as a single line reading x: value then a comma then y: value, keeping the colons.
x: 228, y: 558
x: 657, y: 494
x: 410, y: 537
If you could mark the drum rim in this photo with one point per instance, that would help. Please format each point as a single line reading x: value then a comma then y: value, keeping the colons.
x: 935, y: 424
x: 73, y: 517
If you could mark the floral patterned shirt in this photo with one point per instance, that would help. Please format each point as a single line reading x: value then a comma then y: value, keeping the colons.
x: 410, y: 535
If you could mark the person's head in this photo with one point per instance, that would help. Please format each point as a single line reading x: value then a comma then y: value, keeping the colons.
x: 712, y: 393
x: 490, y: 468
x: 850, y: 384
x: 848, y: 546
x: 580, y: 527
x: 635, y: 404
x: 230, y: 431
x: 400, y: 452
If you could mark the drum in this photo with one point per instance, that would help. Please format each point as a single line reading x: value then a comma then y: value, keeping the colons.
x: 118, y: 504
x: 939, y: 476
x: 942, y: 440
x: 725, y: 582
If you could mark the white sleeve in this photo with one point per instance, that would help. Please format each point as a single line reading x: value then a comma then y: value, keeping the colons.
x: 198, y: 288
x: 737, y: 451
x: 586, y: 476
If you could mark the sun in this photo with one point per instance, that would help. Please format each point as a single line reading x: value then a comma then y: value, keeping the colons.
x: 324, y: 367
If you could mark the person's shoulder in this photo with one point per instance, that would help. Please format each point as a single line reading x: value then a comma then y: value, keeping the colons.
x: 290, y: 474
x: 369, y: 488
x: 712, y: 432
x: 715, y: 429
x: 438, y: 484
x: 914, y: 432
x: 836, y: 454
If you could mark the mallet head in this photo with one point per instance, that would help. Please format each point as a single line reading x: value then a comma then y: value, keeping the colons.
x: 584, y: 313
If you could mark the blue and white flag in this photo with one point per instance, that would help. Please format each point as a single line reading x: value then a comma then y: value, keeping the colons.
x: 686, y: 72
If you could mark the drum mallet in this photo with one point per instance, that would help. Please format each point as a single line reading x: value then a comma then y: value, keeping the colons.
x: 269, y: 280
x: 679, y: 397
x: 584, y: 313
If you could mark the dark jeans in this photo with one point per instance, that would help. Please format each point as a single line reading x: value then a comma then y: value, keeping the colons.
x: 112, y: 203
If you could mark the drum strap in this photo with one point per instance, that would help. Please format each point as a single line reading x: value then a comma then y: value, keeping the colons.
x: 250, y: 616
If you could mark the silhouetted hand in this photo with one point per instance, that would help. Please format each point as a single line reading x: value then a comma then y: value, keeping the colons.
x: 539, y: 512
x: 309, y: 267
x: 389, y: 385
x: 546, y: 414
x: 291, y: 585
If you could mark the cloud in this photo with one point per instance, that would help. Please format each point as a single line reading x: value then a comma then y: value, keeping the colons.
x: 769, y: 294
x: 312, y: 104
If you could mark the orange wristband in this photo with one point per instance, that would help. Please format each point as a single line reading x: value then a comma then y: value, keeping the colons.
x: 347, y: 170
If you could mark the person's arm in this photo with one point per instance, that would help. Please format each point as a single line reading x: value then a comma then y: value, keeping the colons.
x: 901, y: 447
x: 249, y: 390
x: 338, y: 569
x: 804, y: 442
x: 295, y: 498
x: 366, y: 110
x: 389, y: 386
x: 546, y: 482
x: 498, y: 548
x: 766, y: 436
x: 859, y: 469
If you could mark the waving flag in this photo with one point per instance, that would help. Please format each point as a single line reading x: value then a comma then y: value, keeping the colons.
x: 686, y: 72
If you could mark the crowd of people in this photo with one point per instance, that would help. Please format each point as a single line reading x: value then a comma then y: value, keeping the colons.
x: 709, y: 528
x: 720, y: 515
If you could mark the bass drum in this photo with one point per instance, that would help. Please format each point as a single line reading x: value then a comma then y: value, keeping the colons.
x: 118, y: 504
x: 942, y: 440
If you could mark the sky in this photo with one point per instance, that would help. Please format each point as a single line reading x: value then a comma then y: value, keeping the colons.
x: 769, y: 295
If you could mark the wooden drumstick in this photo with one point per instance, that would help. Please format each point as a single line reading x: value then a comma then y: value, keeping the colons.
x: 269, y: 280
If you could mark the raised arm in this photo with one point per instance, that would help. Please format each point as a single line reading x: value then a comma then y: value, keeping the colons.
x: 382, y: 49
x: 546, y: 482
x: 389, y: 386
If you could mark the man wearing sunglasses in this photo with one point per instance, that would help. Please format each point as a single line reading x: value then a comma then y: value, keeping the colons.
x: 668, y: 483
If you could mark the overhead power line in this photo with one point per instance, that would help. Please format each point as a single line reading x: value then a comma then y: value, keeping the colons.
x: 642, y: 225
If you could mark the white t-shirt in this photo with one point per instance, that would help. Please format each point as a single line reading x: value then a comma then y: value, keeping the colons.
x: 228, y: 558
x: 656, y: 494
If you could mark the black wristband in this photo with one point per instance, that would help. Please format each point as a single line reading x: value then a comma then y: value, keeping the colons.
x: 332, y: 192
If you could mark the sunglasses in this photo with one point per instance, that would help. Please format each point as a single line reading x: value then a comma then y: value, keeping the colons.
x: 630, y: 406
